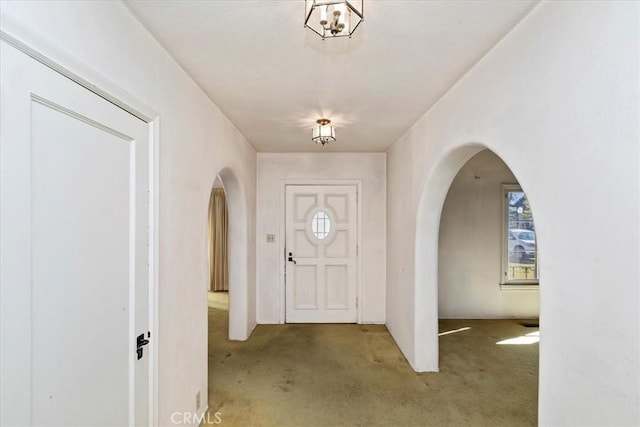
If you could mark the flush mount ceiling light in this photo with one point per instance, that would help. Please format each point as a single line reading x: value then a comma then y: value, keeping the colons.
x: 323, y: 133
x: 333, y: 18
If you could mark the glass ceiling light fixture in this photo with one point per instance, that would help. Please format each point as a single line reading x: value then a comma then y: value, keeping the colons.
x: 323, y: 133
x: 333, y: 18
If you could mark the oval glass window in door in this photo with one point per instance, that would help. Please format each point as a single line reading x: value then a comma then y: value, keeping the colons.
x: 321, y: 225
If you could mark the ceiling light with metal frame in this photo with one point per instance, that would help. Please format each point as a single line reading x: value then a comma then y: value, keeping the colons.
x: 333, y: 18
x: 323, y: 133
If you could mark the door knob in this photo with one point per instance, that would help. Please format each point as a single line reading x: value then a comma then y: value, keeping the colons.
x: 291, y: 258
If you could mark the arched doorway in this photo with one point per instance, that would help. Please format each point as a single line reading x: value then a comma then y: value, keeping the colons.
x: 228, y: 318
x: 237, y: 251
x: 488, y: 302
x: 426, y: 283
x: 218, y: 239
x: 218, y: 257
x: 487, y: 245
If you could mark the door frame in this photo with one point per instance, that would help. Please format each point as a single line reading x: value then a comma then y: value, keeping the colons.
x: 71, y: 67
x: 283, y: 229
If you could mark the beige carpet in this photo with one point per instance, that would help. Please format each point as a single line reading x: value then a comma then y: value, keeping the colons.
x: 355, y: 375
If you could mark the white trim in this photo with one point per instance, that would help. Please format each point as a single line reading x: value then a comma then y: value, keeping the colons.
x: 59, y: 108
x: 69, y: 66
x: 519, y: 286
x: 154, y: 266
x: 283, y: 226
x: 73, y: 69
x: 326, y: 240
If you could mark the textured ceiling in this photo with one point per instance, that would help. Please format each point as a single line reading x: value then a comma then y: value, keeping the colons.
x: 273, y: 78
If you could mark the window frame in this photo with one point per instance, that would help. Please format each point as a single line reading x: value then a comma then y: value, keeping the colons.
x: 505, y: 282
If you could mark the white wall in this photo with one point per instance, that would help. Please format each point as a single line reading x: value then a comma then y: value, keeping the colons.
x: 196, y: 142
x: 470, y: 251
x: 370, y: 169
x: 557, y: 100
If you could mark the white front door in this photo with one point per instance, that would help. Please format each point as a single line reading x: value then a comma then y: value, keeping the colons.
x: 74, y: 245
x: 321, y: 252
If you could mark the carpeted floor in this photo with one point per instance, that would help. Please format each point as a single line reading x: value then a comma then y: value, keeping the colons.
x: 355, y: 375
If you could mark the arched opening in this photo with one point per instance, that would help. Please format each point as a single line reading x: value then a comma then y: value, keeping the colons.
x: 217, y: 239
x: 487, y: 245
x: 427, y: 259
x: 434, y: 193
x: 236, y: 253
x: 228, y: 311
x: 488, y: 302
x: 218, y: 256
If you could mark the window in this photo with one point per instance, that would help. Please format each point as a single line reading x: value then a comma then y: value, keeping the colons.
x: 321, y: 225
x: 519, y: 249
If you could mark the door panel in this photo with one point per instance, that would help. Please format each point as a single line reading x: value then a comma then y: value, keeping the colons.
x: 305, y: 248
x: 336, y: 287
x: 306, y: 296
x: 340, y: 206
x: 303, y: 203
x: 72, y: 292
x: 321, y: 236
x: 339, y: 247
x: 74, y: 239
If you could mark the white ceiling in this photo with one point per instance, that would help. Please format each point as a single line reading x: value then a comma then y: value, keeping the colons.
x: 273, y: 78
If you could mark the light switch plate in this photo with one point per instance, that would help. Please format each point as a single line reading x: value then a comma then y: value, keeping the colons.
x: 271, y: 238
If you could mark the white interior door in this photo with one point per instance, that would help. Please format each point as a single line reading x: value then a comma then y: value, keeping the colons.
x: 74, y: 245
x: 321, y: 249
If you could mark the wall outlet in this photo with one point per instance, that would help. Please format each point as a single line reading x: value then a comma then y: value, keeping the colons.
x: 271, y: 238
x: 197, y: 401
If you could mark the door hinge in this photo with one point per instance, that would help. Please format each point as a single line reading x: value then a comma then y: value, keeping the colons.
x: 356, y: 302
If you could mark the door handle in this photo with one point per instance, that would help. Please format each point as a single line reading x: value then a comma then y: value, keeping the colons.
x: 291, y: 258
x: 140, y: 343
